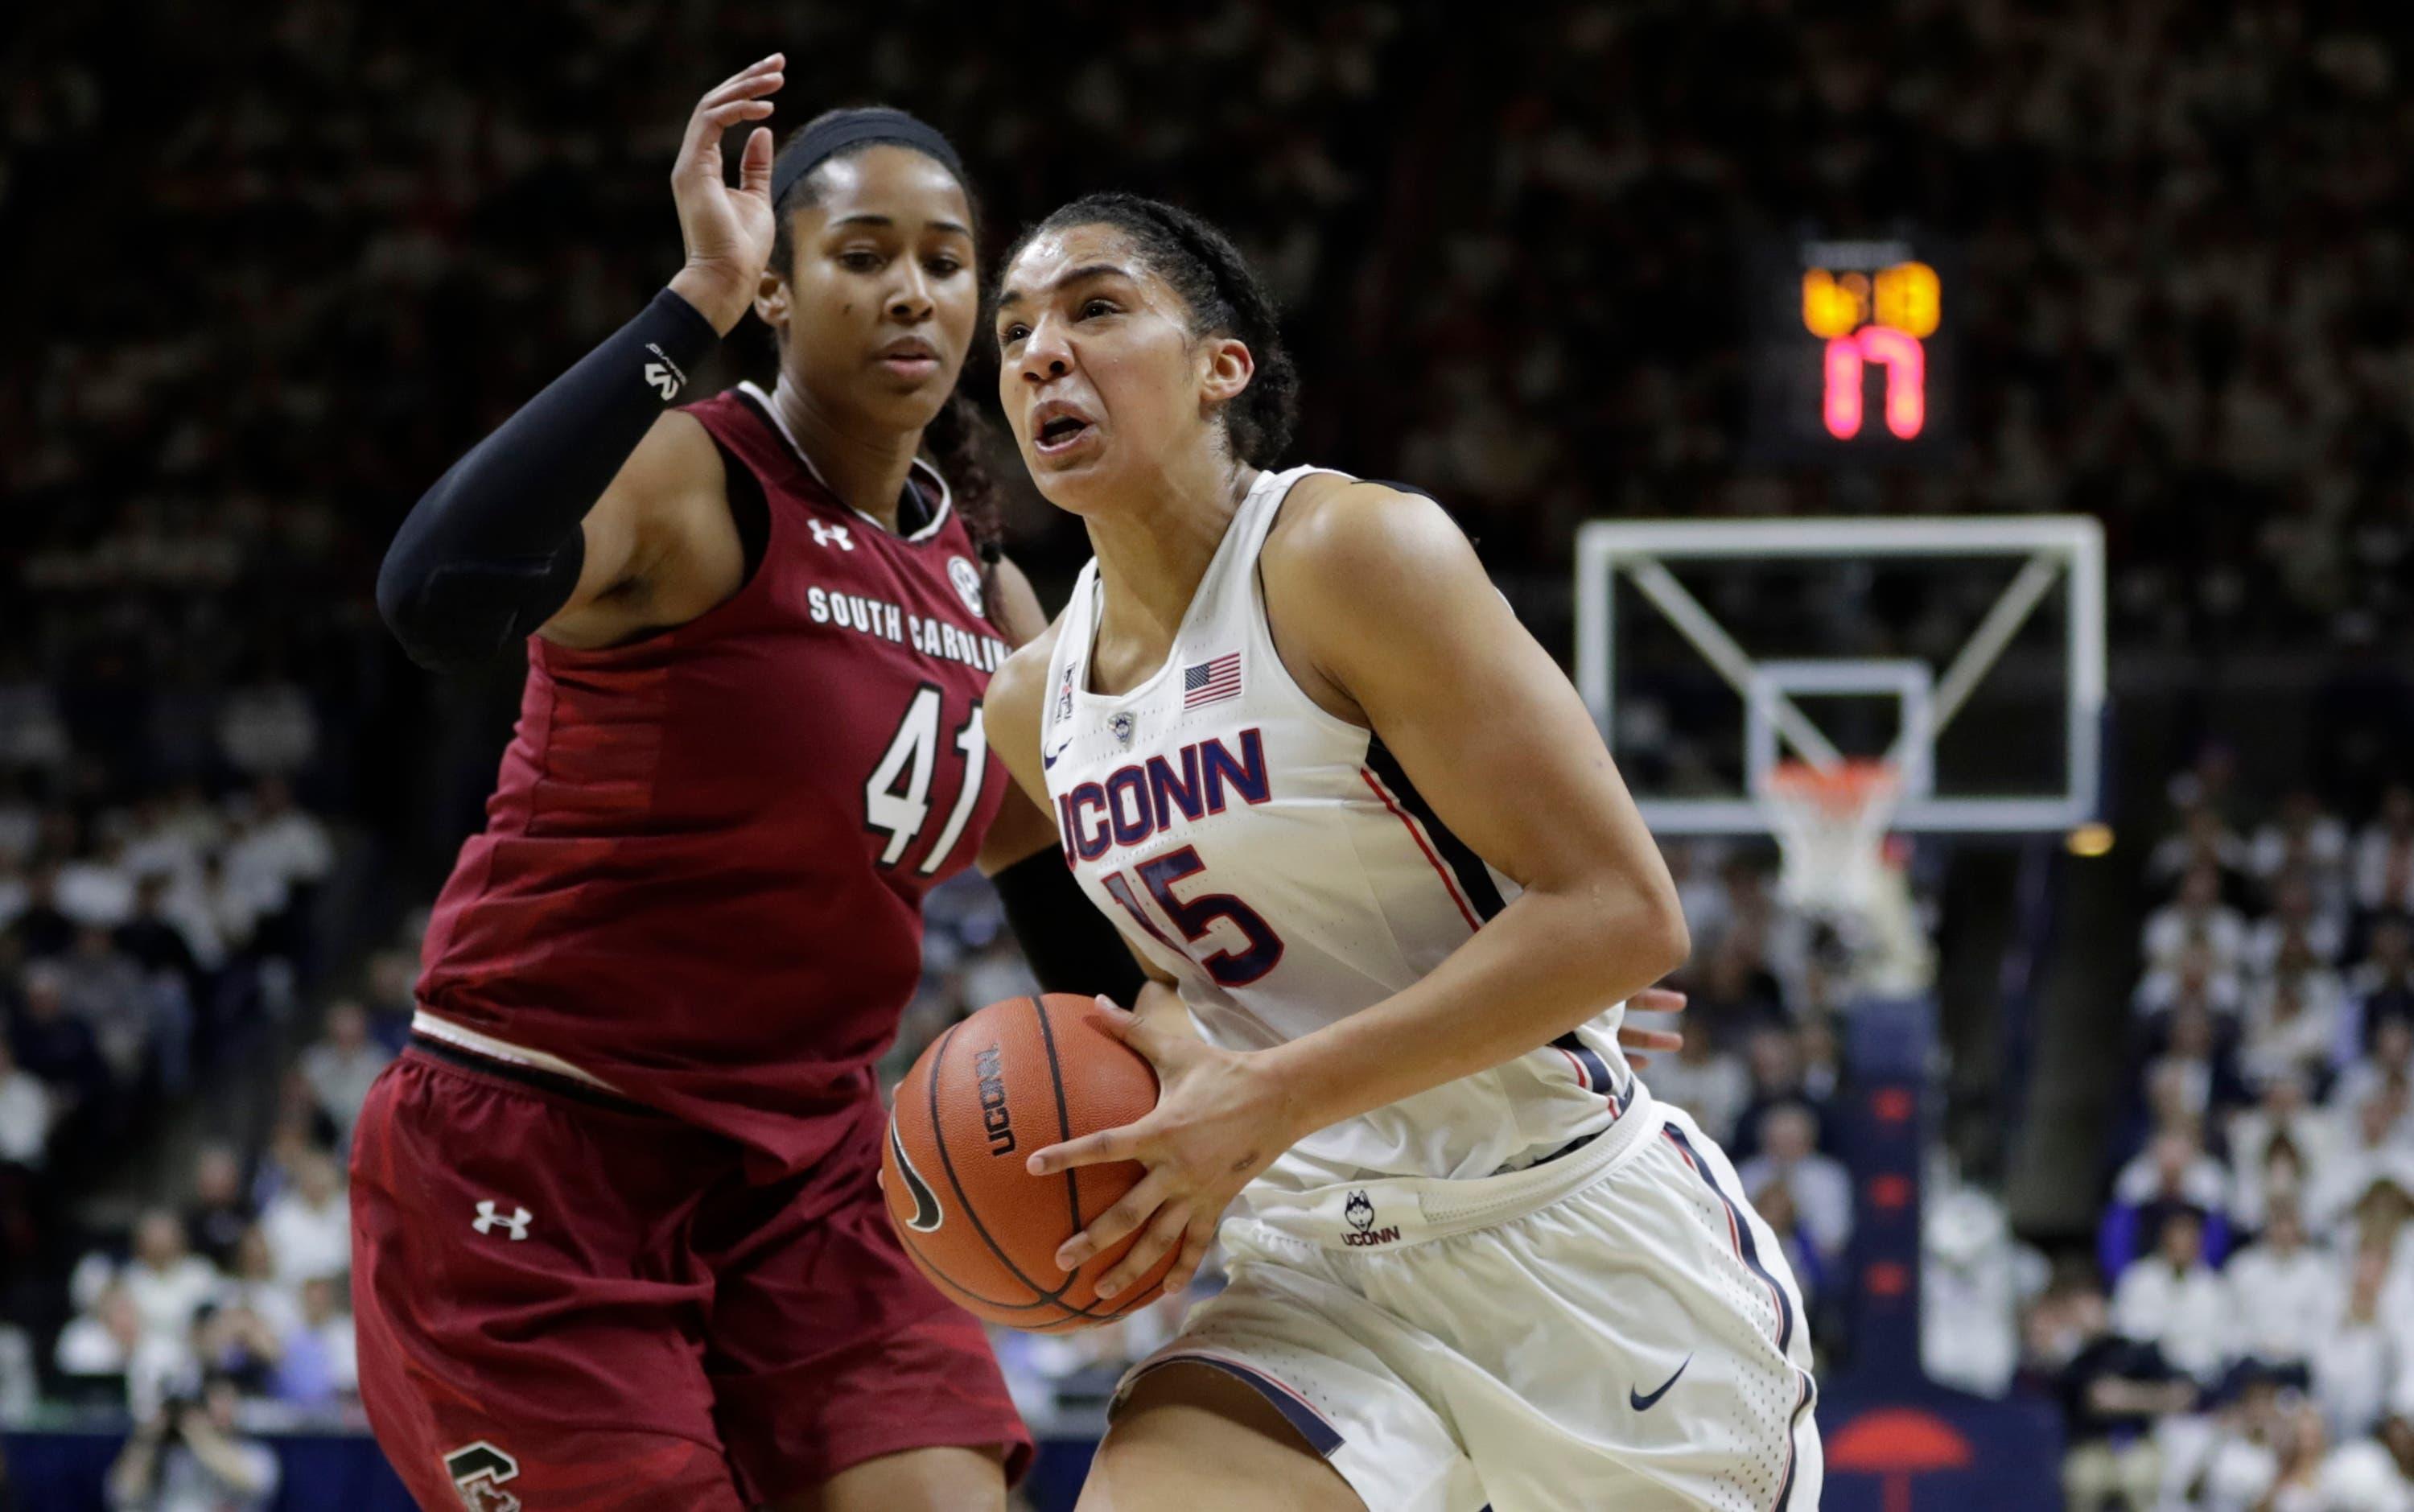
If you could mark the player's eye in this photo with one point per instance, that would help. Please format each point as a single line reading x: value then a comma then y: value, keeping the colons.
x: 1012, y: 332
x: 860, y: 260
x: 1093, y: 307
x: 943, y: 267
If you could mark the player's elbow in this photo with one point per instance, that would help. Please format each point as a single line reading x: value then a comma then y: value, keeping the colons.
x: 1661, y: 933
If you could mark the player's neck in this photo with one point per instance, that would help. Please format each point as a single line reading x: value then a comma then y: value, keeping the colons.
x: 866, y: 470
x: 1151, y: 554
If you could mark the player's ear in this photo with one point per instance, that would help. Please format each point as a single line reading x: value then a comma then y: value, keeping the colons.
x: 771, y: 302
x: 1226, y: 368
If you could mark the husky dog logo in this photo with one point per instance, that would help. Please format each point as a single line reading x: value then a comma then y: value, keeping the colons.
x: 1359, y: 1211
x: 927, y: 1216
x: 1122, y: 725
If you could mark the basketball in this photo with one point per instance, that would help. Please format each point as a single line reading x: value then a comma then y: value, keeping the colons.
x: 1016, y: 1076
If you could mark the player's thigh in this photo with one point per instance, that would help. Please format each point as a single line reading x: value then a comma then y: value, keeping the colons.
x: 1189, y: 1437
x: 828, y: 1350
x: 519, y: 1336
x: 941, y: 1479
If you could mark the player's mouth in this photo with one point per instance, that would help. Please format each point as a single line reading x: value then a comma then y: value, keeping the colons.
x: 1058, y: 429
x: 910, y: 358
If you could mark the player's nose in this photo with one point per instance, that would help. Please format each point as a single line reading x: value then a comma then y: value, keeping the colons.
x: 1045, y: 355
x: 911, y: 299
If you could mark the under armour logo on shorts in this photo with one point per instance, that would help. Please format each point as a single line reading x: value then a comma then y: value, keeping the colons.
x: 488, y: 1219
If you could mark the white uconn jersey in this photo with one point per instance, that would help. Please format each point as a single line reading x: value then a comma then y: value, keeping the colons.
x: 1277, y: 863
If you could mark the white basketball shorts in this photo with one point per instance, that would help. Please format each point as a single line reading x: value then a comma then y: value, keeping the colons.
x: 1614, y: 1329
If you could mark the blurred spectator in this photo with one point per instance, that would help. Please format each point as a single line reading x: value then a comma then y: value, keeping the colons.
x: 2193, y: 979
x: 2371, y: 1154
x: 96, y: 891
x: 231, y: 1341
x: 251, y: 1282
x: 219, y: 1214
x: 309, y: 1227
x: 2302, y: 840
x: 340, y: 1067
x: 2203, y: 844
x: 105, y: 1356
x: 190, y: 1457
x: 26, y: 1116
x: 1774, y: 1201
x: 2283, y: 1294
x: 105, y: 990
x: 42, y: 929
x: 2358, y: 1358
x: 1773, y: 1061
x: 2283, y: 1123
x: 320, y: 1365
x: 2112, y: 1390
x: 1705, y: 1081
x: 156, y: 942
x: 165, y: 1280
x: 2384, y: 855
x: 2381, y: 987
x: 53, y: 1046
x: 1820, y: 1189
x: 2294, y: 919
x: 2170, y: 1298
x: 2197, y: 917
x: 2292, y: 1025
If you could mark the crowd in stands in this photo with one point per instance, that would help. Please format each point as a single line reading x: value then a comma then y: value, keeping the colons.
x: 2244, y: 1338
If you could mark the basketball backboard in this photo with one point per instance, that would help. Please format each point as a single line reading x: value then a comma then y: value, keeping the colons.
x: 1968, y: 651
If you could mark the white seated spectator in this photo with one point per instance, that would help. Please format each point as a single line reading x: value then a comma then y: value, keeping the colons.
x: 2170, y: 1298
x: 193, y: 1458
x: 2384, y: 855
x: 26, y: 1112
x: 108, y: 1344
x: 2359, y: 1357
x: 1820, y: 1187
x: 2174, y: 1167
x: 2300, y: 837
x: 2283, y: 1121
x: 2283, y: 1292
x: 281, y: 841
x: 2292, y: 1025
x: 20, y: 1383
x: 97, y: 890
x: 166, y: 1279
x: 214, y: 915
x: 2242, y: 1465
x: 2196, y: 917
x: 1705, y: 1081
x: 2194, y: 978
x: 2294, y: 920
x: 32, y: 734
x: 251, y: 1282
x: 340, y: 1067
x: 2387, y: 1066
x: 2189, y: 1070
x: 1973, y: 1273
x: 2358, y: 1476
x: 2202, y: 840
x: 154, y: 845
x: 2372, y: 1152
x: 308, y: 1226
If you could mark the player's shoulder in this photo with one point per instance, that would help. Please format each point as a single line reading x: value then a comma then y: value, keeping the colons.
x: 1019, y: 686
x: 1345, y: 535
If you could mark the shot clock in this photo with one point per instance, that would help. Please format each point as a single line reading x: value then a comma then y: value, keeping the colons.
x: 1853, y: 350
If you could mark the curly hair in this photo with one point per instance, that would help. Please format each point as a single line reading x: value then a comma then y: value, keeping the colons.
x: 1225, y: 295
x: 957, y: 436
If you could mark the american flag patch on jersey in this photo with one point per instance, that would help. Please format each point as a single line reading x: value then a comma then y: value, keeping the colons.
x: 1212, y: 682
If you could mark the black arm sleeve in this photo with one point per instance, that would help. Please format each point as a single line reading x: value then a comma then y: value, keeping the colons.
x: 1070, y: 946
x: 494, y: 548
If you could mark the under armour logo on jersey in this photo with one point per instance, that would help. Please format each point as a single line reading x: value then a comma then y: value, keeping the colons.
x: 827, y: 534
x: 478, y: 1472
x: 664, y: 374
x: 488, y: 1219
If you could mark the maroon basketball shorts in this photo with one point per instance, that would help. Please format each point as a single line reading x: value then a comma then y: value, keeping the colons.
x: 569, y: 1303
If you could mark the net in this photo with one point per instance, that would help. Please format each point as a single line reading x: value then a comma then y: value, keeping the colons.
x: 1830, y: 824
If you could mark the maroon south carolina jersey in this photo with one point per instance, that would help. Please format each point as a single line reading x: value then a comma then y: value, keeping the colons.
x: 702, y: 873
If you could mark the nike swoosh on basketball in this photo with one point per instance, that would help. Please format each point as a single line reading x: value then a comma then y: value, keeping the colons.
x: 927, y: 1216
x: 1643, y: 1405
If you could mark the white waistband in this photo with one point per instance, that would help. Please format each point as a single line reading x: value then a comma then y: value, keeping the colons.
x: 423, y: 1022
x: 1395, y: 1211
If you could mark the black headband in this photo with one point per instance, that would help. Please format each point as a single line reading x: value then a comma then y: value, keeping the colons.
x: 822, y: 142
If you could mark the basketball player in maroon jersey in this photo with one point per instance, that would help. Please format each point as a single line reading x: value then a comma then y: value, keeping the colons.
x: 618, y: 1240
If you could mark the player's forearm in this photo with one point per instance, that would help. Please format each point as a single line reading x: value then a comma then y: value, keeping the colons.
x: 1550, y: 961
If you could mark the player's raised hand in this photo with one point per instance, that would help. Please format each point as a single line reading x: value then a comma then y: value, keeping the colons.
x: 1640, y: 1044
x: 728, y: 228
x: 1219, y: 1122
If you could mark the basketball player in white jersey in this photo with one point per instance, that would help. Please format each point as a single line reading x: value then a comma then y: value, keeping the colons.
x: 1360, y: 826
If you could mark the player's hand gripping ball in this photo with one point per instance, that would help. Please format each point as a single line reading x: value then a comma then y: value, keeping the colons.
x: 1016, y: 1077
